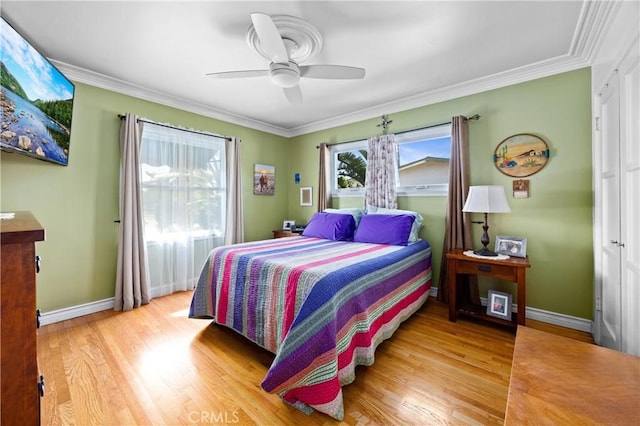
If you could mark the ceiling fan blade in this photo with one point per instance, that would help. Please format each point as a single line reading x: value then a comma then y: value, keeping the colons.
x: 331, y: 72
x: 293, y: 94
x: 239, y: 74
x: 270, y: 38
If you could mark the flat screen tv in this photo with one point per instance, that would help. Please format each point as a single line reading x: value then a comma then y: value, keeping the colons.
x: 37, y: 101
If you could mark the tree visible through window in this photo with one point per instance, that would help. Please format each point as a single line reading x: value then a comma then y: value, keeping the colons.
x: 352, y: 168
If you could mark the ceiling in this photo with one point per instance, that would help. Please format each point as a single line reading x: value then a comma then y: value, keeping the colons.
x: 414, y: 52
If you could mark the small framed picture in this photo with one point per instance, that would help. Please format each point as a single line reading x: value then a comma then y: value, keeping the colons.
x: 306, y: 196
x: 288, y: 225
x: 511, y: 246
x: 499, y: 305
x: 521, y: 188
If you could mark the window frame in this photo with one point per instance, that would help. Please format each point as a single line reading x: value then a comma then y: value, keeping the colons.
x: 433, y: 132
x: 153, y: 133
x: 336, y: 149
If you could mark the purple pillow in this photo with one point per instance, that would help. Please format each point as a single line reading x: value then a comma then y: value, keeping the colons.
x: 393, y: 229
x: 331, y: 226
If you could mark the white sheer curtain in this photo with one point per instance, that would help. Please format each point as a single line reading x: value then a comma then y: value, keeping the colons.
x: 380, y: 178
x: 183, y: 180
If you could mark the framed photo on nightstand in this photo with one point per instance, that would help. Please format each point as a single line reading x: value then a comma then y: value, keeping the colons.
x: 288, y: 225
x: 511, y: 246
x: 499, y: 304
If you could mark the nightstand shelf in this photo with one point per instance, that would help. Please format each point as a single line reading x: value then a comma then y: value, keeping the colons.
x: 512, y: 269
x: 479, y: 311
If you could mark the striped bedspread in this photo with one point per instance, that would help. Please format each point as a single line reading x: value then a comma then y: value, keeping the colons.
x: 322, y: 307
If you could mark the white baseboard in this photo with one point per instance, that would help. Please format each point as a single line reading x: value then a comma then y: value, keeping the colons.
x: 533, y: 313
x: 85, y: 309
x: 549, y: 317
x: 541, y: 315
x: 433, y: 292
x: 563, y: 320
x: 76, y: 311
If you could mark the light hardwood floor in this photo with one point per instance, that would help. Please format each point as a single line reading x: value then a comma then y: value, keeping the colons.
x: 154, y: 366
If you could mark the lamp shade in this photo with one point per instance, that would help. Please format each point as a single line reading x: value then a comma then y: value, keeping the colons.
x: 486, y: 199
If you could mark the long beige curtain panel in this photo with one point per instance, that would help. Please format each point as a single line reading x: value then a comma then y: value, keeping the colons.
x: 457, y: 223
x: 132, y: 285
x: 324, y: 177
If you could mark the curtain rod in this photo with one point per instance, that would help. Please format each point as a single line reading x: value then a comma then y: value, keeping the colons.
x: 473, y: 117
x: 170, y: 126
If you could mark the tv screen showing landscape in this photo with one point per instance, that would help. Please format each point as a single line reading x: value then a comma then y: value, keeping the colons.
x: 37, y: 101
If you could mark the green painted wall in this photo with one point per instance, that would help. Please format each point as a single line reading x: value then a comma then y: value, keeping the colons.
x: 77, y: 204
x: 557, y: 217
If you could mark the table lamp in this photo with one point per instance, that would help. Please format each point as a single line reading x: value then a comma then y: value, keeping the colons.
x: 486, y: 199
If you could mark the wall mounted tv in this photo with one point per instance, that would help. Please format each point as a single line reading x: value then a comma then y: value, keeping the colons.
x: 37, y: 101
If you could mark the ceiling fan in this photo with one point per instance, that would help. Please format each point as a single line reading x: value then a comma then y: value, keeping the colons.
x: 285, y: 41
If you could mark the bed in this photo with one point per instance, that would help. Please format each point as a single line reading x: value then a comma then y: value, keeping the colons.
x: 320, y: 305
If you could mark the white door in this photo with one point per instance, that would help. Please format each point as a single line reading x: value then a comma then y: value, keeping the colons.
x: 607, y: 155
x: 617, y: 208
x: 629, y: 77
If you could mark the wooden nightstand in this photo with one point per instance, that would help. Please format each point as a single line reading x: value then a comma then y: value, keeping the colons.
x: 281, y: 233
x: 512, y: 269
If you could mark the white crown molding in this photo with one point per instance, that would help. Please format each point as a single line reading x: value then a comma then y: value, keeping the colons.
x: 103, y: 81
x: 495, y: 81
x: 502, y: 79
x: 593, y: 22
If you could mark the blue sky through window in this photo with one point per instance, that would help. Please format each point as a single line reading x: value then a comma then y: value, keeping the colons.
x: 413, y: 151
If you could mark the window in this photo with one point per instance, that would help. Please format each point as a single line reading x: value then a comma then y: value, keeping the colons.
x: 422, y: 158
x: 349, y: 166
x: 183, y: 184
x: 423, y: 161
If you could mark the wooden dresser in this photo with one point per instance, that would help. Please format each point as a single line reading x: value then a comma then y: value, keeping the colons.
x: 561, y: 381
x: 20, y: 382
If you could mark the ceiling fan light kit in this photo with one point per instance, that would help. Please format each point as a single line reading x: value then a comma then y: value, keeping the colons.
x: 284, y: 41
x: 285, y: 75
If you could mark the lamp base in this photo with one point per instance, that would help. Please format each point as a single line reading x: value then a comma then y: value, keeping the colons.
x: 485, y: 252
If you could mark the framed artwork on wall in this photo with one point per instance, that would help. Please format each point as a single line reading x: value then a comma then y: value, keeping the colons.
x: 264, y: 179
x: 521, y: 188
x: 306, y: 196
x: 521, y: 155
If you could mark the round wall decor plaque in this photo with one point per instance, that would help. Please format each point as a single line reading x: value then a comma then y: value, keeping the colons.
x: 521, y: 155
